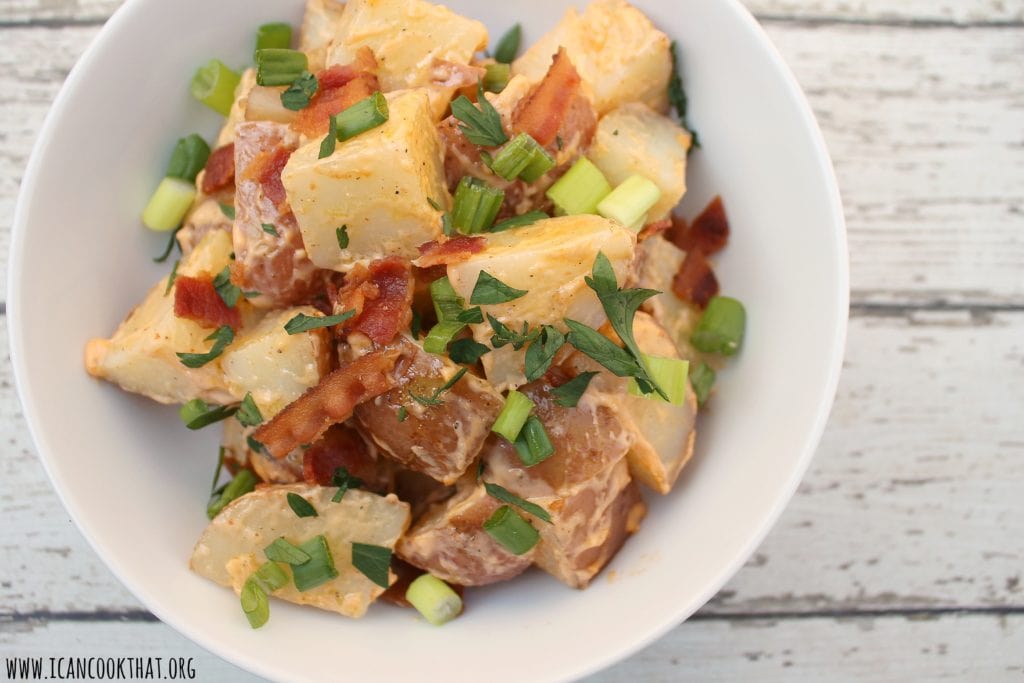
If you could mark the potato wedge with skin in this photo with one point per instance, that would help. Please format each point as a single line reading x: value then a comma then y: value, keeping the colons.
x: 617, y: 51
x: 441, y: 441
x: 238, y: 454
x: 378, y: 184
x: 141, y: 355
x: 636, y: 140
x: 232, y: 545
x: 449, y: 541
x: 274, y: 366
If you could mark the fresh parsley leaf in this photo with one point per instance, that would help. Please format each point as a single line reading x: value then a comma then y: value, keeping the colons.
x: 305, y: 323
x: 270, y: 229
x: 542, y: 351
x: 373, y: 561
x: 249, y: 413
x: 506, y: 496
x: 197, y: 413
x: 342, y: 235
x: 480, y: 126
x: 470, y: 315
x: 508, y: 45
x: 490, y: 290
x: 434, y: 399
x: 330, y: 142
x: 519, y: 221
x: 172, y: 277
x: 533, y: 445
x: 601, y: 349
x: 504, y: 335
x: 568, y: 395
x: 220, y: 337
x: 344, y: 481
x: 228, y: 210
x: 172, y: 242
x: 254, y: 445
x: 300, y: 506
x: 226, y: 289
x: 466, y: 351
x: 300, y: 92
x: 403, y: 413
x: 677, y: 95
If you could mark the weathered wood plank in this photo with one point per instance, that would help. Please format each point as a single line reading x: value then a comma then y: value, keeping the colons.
x: 961, y: 12
x: 913, y: 500
x: 925, y: 127
x: 866, y: 650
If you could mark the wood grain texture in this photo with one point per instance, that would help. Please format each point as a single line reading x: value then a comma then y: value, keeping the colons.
x: 926, y: 128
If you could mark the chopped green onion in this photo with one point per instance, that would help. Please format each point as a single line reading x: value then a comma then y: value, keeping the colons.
x: 490, y: 290
x: 568, y: 395
x: 304, y: 323
x: 434, y: 599
x: 270, y: 576
x: 214, y: 85
x: 467, y: 351
x: 216, y: 472
x: 476, y: 205
x: 282, y: 550
x: 630, y: 201
x: 243, y: 482
x: 300, y: 506
x: 172, y: 242
x: 188, y: 158
x: 434, y: 399
x: 169, y: 204
x: 279, y: 66
x: 513, y: 415
x: 481, y: 126
x: 344, y: 481
x: 702, y: 378
x: 506, y: 496
x: 512, y: 531
x: 254, y: 603
x: 522, y: 156
x: 275, y: 35
x: 403, y: 413
x: 441, y: 335
x: 721, y: 328
x: 533, y: 444
x: 447, y: 303
x: 297, y: 96
x: 221, y: 338
x: 362, y: 116
x: 580, y: 190
x: 508, y: 45
x: 373, y: 561
x: 249, y: 414
x: 197, y: 414
x: 541, y: 352
x: 519, y: 221
x: 329, y: 143
x: 342, y: 235
x: 319, y: 569
x: 503, y: 334
x: 541, y: 163
x: 496, y: 77
x: 669, y: 373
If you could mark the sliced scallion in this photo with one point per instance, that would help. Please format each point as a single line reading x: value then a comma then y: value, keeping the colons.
x: 447, y: 303
x: 533, y: 444
x: 281, y: 550
x: 243, y: 482
x: 508, y: 45
x: 255, y: 603
x: 496, y: 77
x: 279, y: 66
x: 514, y: 157
x: 630, y: 201
x: 580, y: 190
x: 214, y: 85
x: 512, y: 531
x: 274, y: 35
x: 362, y: 116
x: 434, y: 599
x: 441, y: 335
x: 721, y: 328
x: 513, y: 415
x: 702, y: 378
x: 541, y: 163
x: 197, y: 413
x: 188, y: 158
x: 476, y: 205
x: 318, y: 569
x: 169, y: 204
x: 271, y: 577
x: 669, y: 373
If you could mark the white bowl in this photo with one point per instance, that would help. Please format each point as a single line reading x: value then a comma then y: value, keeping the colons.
x: 135, y: 481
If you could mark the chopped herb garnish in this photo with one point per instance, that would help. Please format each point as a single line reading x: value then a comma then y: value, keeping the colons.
x: 519, y: 221
x: 319, y: 569
x: 466, y: 351
x: 508, y: 45
x: 281, y: 550
x: 373, y: 561
x: 403, y: 413
x: 344, y: 481
x: 229, y: 293
x: 254, y: 445
x: 305, y: 323
x: 243, y: 482
x: 217, y: 471
x: 254, y: 603
x: 249, y: 413
x: 416, y: 325
x: 277, y: 34
x: 197, y: 413
x: 475, y: 206
x: 702, y: 378
x: 221, y: 337
x: 300, y: 92
x: 513, y: 532
x: 542, y: 351
x: 330, y: 143
x: 270, y: 229
x: 188, y: 158
x: 533, y: 444
x: 446, y: 218
x: 270, y: 576
x: 280, y: 66
x: 434, y: 599
x: 601, y: 349
x: 228, y: 210
x: 471, y: 315
x: 513, y: 415
x: 490, y: 290
x: 342, y: 235
x: 172, y: 277
x: 506, y: 496
x: 677, y: 95
x: 434, y: 399
x: 362, y: 116
x: 480, y: 126
x: 300, y: 506
x: 568, y: 395
x: 504, y: 335
x: 214, y: 85
x: 171, y: 243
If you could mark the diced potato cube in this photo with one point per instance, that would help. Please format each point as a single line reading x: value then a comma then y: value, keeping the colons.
x: 616, y: 49
x: 140, y: 357
x: 636, y: 140
x: 319, y: 26
x: 408, y: 38
x: 379, y: 184
x: 231, y: 547
x: 277, y: 367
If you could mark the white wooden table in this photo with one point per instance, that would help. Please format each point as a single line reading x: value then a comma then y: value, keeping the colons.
x: 901, y: 558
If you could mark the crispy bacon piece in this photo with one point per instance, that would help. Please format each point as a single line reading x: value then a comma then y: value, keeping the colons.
x: 220, y: 169
x: 266, y: 170
x: 455, y: 250
x: 655, y: 228
x: 381, y: 296
x: 695, y: 282
x: 339, y: 88
x: 542, y: 112
x: 709, y: 232
x: 331, y: 401
x: 341, y: 446
x: 196, y: 298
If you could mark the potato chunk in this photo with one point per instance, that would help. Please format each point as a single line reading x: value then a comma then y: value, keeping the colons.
x: 634, y: 139
x: 616, y: 49
x: 440, y: 441
x: 238, y: 453
x: 140, y: 357
x: 408, y: 37
x: 231, y: 547
x: 277, y: 367
x: 319, y: 26
x: 379, y: 184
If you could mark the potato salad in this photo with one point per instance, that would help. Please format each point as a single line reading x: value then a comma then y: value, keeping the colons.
x: 433, y: 291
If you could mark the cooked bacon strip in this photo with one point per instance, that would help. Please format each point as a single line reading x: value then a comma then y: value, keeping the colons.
x: 695, y: 282
x: 339, y: 88
x: 341, y: 446
x: 196, y: 299
x: 455, y: 250
x: 220, y: 169
x: 654, y: 229
x: 708, y: 233
x: 331, y: 401
x: 542, y: 112
x: 381, y: 295
x: 266, y: 170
